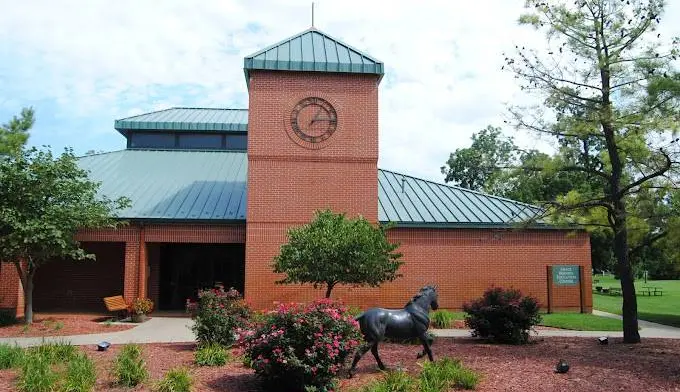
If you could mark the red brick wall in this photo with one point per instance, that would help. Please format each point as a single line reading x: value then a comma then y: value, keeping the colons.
x: 463, y: 263
x: 289, y: 180
x: 80, y: 285
x: 10, y: 289
x: 11, y: 295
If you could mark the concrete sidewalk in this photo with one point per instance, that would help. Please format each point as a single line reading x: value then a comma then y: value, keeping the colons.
x: 156, y: 330
x: 177, y: 330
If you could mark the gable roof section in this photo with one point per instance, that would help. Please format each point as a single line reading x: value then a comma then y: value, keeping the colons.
x: 410, y: 201
x: 187, y: 119
x: 174, y: 185
x: 314, y: 51
x: 177, y: 185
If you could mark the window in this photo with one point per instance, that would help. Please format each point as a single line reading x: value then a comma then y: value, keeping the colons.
x: 188, y: 141
x: 151, y: 140
x: 237, y: 142
x: 199, y: 141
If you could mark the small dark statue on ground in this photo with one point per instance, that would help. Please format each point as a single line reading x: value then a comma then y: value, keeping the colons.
x: 411, y: 322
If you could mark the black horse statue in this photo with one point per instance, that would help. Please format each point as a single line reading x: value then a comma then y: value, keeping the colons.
x: 411, y: 322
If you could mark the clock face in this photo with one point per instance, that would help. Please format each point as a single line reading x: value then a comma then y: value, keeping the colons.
x: 313, y: 119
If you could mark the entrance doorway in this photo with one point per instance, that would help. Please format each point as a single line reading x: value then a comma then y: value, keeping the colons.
x: 186, y: 268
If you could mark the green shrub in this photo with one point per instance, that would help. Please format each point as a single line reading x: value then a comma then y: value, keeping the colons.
x: 175, y: 380
x: 442, y: 319
x: 397, y: 381
x: 218, y: 315
x: 303, y: 347
x: 503, y: 316
x: 354, y: 310
x: 81, y: 375
x: 55, y: 352
x: 129, y: 368
x: 10, y: 356
x: 7, y: 317
x: 36, y: 375
x: 211, y: 355
x: 447, y: 373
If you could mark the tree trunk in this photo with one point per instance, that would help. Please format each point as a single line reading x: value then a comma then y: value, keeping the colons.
x: 629, y: 307
x: 28, y: 299
x: 329, y: 288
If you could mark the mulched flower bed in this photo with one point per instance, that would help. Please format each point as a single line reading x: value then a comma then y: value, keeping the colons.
x: 650, y: 366
x: 62, y: 325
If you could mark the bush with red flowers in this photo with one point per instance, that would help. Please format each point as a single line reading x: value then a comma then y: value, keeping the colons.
x: 302, y: 347
x: 219, y: 314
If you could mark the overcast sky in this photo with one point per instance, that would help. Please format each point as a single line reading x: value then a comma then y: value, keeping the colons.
x: 83, y: 63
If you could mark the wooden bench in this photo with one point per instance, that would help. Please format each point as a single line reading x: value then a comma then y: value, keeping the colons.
x: 117, y: 304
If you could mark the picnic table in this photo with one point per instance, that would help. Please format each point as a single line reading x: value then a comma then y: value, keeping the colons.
x: 609, y: 290
x: 650, y: 290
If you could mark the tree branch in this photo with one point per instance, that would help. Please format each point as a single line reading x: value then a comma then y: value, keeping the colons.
x: 648, y: 241
x: 624, y: 190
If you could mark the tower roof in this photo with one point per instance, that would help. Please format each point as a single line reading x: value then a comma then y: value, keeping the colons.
x: 312, y: 51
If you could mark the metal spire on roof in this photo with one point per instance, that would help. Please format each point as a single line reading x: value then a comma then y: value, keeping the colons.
x: 312, y: 14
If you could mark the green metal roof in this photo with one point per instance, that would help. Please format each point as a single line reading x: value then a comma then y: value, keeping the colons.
x: 408, y: 201
x: 312, y: 50
x: 187, y: 119
x: 173, y: 185
x: 211, y: 185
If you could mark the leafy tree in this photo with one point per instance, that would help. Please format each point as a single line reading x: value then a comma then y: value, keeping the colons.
x: 14, y: 134
x: 608, y: 87
x: 477, y: 166
x: 334, y: 250
x: 44, y: 201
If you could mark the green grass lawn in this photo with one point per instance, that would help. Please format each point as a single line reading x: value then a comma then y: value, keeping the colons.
x: 660, y: 309
x: 581, y: 322
x: 575, y: 321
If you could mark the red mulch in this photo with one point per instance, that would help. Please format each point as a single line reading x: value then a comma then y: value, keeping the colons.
x: 62, y: 325
x: 650, y: 366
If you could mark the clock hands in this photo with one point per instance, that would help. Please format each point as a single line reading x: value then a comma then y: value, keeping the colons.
x: 319, y: 117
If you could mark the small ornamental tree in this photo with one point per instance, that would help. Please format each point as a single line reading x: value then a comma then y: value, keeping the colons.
x: 334, y: 250
x: 44, y: 201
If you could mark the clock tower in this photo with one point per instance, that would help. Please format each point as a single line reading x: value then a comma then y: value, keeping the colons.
x: 312, y: 145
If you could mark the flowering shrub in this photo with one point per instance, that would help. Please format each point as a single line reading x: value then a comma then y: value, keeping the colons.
x: 142, y: 306
x: 302, y: 346
x: 218, y: 315
x: 503, y: 316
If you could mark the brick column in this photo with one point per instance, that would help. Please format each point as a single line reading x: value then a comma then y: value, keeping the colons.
x: 141, y: 270
x: 131, y: 277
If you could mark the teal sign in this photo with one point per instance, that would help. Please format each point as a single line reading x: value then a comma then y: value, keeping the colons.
x: 565, y: 275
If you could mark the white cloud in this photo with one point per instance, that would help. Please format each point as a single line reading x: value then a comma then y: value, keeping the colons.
x: 96, y: 58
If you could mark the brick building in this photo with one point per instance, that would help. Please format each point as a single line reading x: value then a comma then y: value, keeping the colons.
x: 308, y: 141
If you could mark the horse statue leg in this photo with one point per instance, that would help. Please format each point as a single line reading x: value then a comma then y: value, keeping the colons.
x: 430, y: 340
x: 357, y: 356
x: 426, y: 340
x: 374, y: 350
